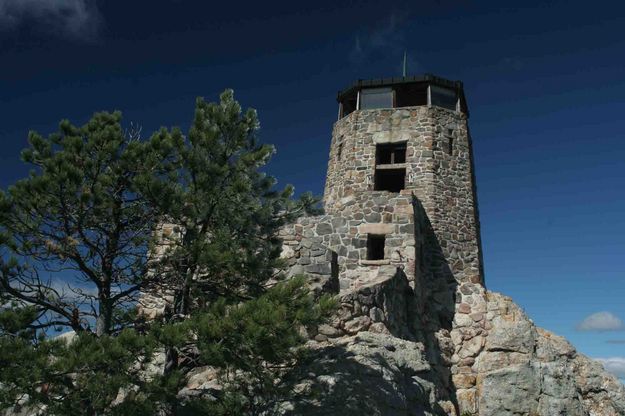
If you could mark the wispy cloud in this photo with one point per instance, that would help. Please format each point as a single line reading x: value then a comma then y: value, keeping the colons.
x: 73, y: 292
x: 614, y: 365
x: 386, y: 41
x: 79, y: 19
x: 601, y: 321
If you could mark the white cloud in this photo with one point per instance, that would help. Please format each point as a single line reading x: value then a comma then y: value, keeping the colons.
x: 601, y: 321
x: 75, y: 18
x: 614, y: 365
x: 74, y: 292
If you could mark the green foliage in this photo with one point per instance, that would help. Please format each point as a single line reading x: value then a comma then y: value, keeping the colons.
x: 77, y: 216
x: 15, y: 319
x: 81, y: 376
x: 251, y: 344
x: 258, y: 332
x: 89, y: 210
x: 227, y: 211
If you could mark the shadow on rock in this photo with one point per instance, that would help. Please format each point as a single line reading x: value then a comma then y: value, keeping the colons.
x: 367, y: 374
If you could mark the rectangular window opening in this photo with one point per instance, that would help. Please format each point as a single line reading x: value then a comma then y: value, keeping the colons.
x: 450, y: 146
x: 376, y: 98
x: 386, y: 154
x: 443, y: 97
x: 392, y: 180
x: 348, y: 104
x: 411, y: 95
x: 388, y: 177
x: 375, y: 247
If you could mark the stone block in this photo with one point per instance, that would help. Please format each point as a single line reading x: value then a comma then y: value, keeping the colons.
x: 379, y: 328
x: 320, y: 268
x: 324, y: 228
x: 357, y: 324
x: 376, y: 314
x: 463, y: 381
x: 464, y: 308
x: 376, y: 228
x: 467, y: 400
x: 329, y: 331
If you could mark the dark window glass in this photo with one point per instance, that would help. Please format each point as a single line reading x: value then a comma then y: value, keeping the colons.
x: 411, y: 95
x: 443, y: 97
x: 376, y: 98
x: 348, y: 104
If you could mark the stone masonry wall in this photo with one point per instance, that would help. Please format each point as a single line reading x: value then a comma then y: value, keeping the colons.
x: 314, y: 245
x: 442, y: 182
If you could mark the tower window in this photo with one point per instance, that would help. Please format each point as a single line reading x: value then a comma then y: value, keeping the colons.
x: 411, y: 95
x: 448, y: 141
x: 376, y: 98
x: 443, y: 97
x: 348, y: 105
x: 390, y: 173
x: 339, y: 152
x: 375, y: 247
x: 386, y: 154
x: 392, y: 180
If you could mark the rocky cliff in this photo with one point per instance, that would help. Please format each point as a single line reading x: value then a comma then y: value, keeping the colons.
x: 377, y: 358
x: 408, y: 341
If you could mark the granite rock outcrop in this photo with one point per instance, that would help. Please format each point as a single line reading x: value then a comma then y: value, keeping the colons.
x: 376, y: 358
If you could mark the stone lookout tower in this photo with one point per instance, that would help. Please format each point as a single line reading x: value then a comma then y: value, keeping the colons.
x: 399, y: 194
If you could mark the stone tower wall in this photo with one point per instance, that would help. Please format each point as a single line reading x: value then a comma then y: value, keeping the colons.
x: 442, y: 182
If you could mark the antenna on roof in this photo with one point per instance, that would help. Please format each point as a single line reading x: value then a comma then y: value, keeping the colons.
x: 405, y: 64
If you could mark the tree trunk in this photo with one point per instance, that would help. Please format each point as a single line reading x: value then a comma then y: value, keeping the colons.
x: 105, y: 311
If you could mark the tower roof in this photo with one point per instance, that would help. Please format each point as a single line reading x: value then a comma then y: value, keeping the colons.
x: 403, y: 83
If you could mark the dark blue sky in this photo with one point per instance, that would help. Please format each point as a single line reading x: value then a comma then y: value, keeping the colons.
x: 545, y: 84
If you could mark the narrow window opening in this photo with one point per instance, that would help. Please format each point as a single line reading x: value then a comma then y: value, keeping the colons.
x: 375, y: 247
x: 332, y: 285
x: 339, y: 152
x: 348, y: 104
x: 334, y: 266
x: 448, y: 142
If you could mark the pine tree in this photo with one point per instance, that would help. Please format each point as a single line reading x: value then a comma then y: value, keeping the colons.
x: 226, y: 210
x: 87, y: 215
x: 227, y: 214
x: 75, y: 233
